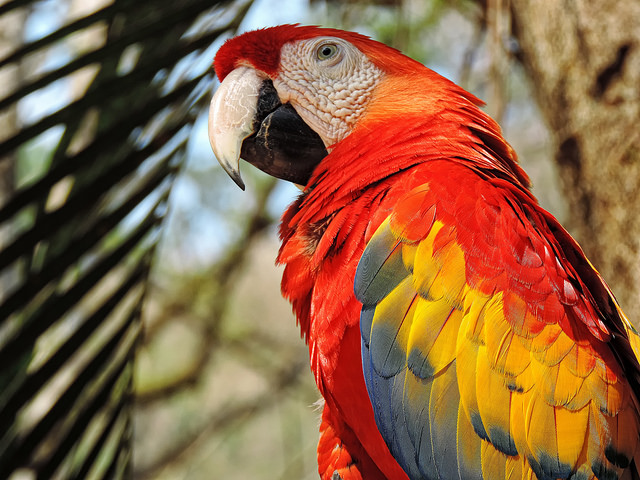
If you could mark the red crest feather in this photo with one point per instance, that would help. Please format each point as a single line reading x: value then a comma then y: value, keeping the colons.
x: 261, y: 49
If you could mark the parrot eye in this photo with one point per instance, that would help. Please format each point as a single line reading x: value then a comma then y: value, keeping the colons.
x: 327, y: 51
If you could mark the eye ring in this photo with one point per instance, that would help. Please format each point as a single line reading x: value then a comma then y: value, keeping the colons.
x: 327, y: 51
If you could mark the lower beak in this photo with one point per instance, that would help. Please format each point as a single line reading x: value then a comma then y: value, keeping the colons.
x: 248, y: 121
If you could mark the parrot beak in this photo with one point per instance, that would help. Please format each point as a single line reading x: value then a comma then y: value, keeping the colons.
x: 248, y: 121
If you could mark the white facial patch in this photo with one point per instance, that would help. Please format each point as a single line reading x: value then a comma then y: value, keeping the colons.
x: 329, y: 82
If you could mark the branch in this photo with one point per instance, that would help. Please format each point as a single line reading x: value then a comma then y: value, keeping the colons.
x: 233, y: 414
x: 498, y: 22
x: 224, y: 274
x: 471, y: 50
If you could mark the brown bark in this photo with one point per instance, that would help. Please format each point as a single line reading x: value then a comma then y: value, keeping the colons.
x: 584, y: 59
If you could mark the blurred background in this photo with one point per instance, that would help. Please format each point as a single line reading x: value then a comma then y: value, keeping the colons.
x: 143, y: 333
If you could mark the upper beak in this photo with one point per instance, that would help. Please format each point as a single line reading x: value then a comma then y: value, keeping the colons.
x: 231, y: 116
x: 247, y: 119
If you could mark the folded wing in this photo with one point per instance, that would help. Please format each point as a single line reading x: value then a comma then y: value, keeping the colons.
x: 491, y: 347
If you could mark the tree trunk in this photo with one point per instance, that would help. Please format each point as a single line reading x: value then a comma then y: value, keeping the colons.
x: 584, y: 60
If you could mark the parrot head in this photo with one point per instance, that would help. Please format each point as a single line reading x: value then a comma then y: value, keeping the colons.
x: 290, y: 93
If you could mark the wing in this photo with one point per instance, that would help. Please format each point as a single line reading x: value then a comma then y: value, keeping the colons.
x: 491, y: 347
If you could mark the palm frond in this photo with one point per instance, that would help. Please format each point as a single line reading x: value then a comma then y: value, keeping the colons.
x: 78, y: 232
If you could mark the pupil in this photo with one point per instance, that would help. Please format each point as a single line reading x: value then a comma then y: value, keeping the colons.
x: 326, y: 51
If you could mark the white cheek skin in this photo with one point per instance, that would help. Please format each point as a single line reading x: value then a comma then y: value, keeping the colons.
x: 329, y: 98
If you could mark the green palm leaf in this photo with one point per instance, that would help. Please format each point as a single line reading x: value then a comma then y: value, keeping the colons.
x: 79, y: 220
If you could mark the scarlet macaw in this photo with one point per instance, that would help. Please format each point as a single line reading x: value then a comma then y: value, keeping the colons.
x: 455, y: 329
